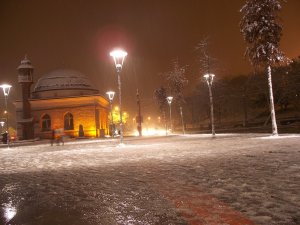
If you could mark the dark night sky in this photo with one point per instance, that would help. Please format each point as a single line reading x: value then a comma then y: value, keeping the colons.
x: 79, y: 34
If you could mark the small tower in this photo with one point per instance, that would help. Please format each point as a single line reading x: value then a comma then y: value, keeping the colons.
x: 25, y: 79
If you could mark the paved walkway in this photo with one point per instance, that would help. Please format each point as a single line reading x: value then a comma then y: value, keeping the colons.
x: 200, y: 208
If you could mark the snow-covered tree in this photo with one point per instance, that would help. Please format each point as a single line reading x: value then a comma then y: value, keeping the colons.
x: 262, y: 32
x: 176, y: 80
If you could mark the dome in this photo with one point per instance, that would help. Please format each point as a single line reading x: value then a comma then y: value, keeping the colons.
x: 63, y: 83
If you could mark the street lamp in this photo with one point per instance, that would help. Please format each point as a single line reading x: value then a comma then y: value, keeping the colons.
x: 139, y: 116
x: 2, y: 125
x: 119, y: 57
x: 209, y: 80
x: 170, y: 99
x: 6, y: 89
x: 111, y: 95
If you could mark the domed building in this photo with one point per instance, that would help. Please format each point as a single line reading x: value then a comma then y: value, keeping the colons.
x: 60, y: 99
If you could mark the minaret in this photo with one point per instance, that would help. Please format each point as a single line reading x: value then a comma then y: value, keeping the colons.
x: 25, y: 79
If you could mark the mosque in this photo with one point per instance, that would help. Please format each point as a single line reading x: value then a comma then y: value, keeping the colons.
x: 62, y: 99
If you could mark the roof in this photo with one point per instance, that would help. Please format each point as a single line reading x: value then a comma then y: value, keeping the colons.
x: 63, y: 79
x: 25, y: 64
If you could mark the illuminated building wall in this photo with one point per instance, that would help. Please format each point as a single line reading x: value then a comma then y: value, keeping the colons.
x: 89, y: 111
x: 66, y: 100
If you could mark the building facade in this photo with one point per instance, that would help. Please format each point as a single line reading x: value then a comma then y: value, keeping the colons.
x: 62, y: 99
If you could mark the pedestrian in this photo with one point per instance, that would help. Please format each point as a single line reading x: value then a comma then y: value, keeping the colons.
x: 5, y: 137
x: 52, y: 136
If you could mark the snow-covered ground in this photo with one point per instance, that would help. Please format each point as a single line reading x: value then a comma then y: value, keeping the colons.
x: 191, y: 179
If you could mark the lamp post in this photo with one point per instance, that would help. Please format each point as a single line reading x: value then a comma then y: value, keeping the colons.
x: 6, y: 89
x: 182, y: 122
x: 119, y: 57
x: 170, y: 99
x: 139, y: 117
x: 111, y: 95
x: 2, y: 125
x: 209, y: 80
x: 165, y: 120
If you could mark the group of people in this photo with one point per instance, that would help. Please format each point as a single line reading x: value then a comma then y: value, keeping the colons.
x: 57, y: 136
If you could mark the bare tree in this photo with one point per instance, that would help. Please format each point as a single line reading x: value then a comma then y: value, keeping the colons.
x: 204, y: 57
x: 160, y: 95
x: 176, y: 80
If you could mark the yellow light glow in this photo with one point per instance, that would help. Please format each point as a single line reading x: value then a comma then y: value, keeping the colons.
x: 89, y: 131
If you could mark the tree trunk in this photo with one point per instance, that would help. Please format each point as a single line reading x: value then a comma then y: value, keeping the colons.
x: 272, y: 108
x: 211, y: 112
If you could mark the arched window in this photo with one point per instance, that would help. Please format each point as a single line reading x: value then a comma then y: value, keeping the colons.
x: 46, y: 123
x: 68, y: 122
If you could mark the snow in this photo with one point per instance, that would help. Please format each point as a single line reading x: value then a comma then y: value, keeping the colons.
x: 63, y: 79
x: 154, y: 180
x: 281, y: 136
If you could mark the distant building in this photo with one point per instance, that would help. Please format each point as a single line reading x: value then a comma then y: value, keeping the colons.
x: 60, y: 99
